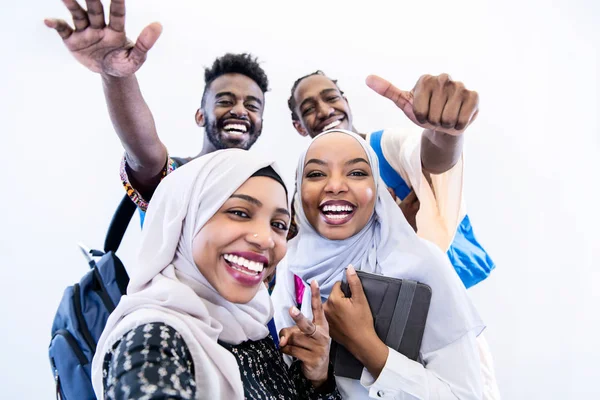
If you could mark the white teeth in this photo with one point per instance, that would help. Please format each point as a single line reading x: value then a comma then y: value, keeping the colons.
x: 235, y: 129
x: 332, y: 125
x: 338, y: 208
x: 337, y: 216
x: 242, y: 262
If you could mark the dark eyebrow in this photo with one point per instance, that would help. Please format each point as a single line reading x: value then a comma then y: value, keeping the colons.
x: 356, y: 161
x: 322, y: 93
x: 231, y: 94
x: 315, y: 161
x: 258, y: 203
x: 224, y: 94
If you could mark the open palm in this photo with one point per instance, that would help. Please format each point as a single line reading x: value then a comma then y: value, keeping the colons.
x: 103, y: 48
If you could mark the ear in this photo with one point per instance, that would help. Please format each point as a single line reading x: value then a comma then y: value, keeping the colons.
x: 300, y: 128
x: 200, y: 121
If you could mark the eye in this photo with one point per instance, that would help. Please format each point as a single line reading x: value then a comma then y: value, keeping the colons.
x: 314, y: 174
x: 252, y: 107
x: 358, y: 173
x: 307, y: 110
x: 239, y: 213
x: 224, y: 103
x: 332, y: 99
x: 279, y: 226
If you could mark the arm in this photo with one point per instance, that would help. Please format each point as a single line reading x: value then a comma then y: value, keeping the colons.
x: 106, y: 50
x: 132, y: 119
x: 166, y: 370
x: 440, y: 151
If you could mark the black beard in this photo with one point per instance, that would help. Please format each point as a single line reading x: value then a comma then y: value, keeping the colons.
x: 213, y: 130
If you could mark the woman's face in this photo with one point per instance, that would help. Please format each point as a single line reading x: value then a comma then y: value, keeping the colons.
x: 338, y: 189
x: 243, y: 242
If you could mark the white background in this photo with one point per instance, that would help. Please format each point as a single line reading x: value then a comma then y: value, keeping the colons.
x: 532, y: 185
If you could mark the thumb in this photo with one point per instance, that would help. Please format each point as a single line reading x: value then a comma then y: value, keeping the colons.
x: 146, y: 40
x: 354, y: 282
x: 401, y: 98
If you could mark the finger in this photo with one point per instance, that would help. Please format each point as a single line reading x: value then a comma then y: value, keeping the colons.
x: 299, y: 339
x: 285, y: 333
x: 305, y: 326
x: 439, y: 96
x: 354, y: 283
x: 60, y: 26
x: 80, y: 18
x: 145, y: 41
x: 301, y: 354
x: 422, y: 93
x: 95, y: 12
x: 116, y: 21
x: 451, y: 111
x: 468, y: 111
x: 317, y: 304
x: 384, y: 88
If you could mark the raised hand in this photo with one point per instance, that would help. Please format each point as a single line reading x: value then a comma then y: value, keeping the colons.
x: 309, y: 341
x: 102, y: 48
x: 436, y: 102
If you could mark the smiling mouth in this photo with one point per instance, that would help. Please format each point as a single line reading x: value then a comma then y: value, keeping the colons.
x: 243, y: 265
x: 337, y: 214
x: 235, y: 129
x: 332, y: 125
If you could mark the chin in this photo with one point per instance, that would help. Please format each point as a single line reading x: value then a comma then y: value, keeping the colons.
x: 237, y: 296
x: 336, y: 233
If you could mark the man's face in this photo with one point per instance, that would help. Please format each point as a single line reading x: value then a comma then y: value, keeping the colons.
x: 320, y: 106
x: 232, y: 112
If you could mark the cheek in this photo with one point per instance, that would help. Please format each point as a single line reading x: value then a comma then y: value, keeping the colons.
x: 367, y: 196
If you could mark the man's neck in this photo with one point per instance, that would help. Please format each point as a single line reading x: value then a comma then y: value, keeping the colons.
x: 207, y: 147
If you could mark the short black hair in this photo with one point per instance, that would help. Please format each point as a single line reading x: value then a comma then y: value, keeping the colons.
x: 292, y: 101
x: 243, y: 63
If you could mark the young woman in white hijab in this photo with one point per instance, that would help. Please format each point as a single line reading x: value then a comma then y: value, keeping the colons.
x: 346, y: 217
x: 194, y: 321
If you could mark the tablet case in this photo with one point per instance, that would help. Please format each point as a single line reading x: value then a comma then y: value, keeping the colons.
x: 399, y: 308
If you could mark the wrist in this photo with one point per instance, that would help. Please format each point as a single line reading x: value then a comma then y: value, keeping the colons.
x: 372, y: 353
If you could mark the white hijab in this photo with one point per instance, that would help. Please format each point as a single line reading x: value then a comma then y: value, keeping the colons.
x: 166, y: 286
x: 389, y: 246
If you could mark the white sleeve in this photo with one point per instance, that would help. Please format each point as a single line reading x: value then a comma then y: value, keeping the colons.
x: 442, y: 204
x: 452, y: 372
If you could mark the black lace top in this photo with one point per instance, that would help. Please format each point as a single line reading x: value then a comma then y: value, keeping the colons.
x: 153, y: 362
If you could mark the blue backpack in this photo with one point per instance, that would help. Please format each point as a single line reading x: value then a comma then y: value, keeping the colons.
x: 84, y: 309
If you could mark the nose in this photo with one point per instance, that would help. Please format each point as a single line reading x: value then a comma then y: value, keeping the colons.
x: 261, y: 236
x: 324, y: 110
x: 239, y: 110
x: 336, y: 184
